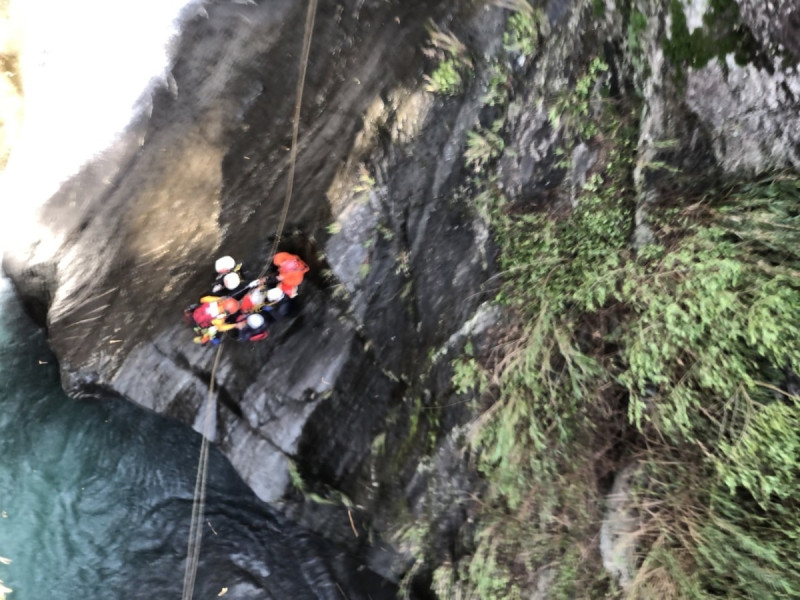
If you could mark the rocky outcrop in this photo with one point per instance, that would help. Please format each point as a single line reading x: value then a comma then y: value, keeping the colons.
x: 621, y: 527
x: 775, y: 24
x: 712, y: 112
x: 753, y: 117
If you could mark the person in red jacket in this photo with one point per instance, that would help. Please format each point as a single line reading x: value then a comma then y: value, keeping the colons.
x: 212, y: 317
x: 213, y: 311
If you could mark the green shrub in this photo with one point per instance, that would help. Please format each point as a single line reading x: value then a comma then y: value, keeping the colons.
x: 697, y: 331
x: 484, y: 146
x: 536, y: 443
x: 716, y: 316
x: 447, y: 79
x: 573, y: 110
x: 521, y: 36
x: 454, y: 66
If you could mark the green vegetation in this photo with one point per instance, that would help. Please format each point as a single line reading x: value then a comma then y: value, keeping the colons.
x: 484, y: 145
x: 723, y: 33
x: 722, y: 302
x: 695, y: 333
x: 536, y: 444
x: 681, y: 357
x: 685, y: 344
x: 447, y: 79
x: 468, y: 375
x: 366, y: 182
x: 454, y: 65
x: 637, y: 25
x: 729, y: 294
x: 497, y: 92
x: 599, y: 8
x: 522, y: 34
x: 573, y: 110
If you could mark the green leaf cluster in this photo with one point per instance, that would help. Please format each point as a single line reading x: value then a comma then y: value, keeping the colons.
x: 484, y: 145
x: 687, y: 341
x: 448, y: 78
x: 534, y: 445
x: 723, y: 33
x: 454, y: 66
x: 573, y: 110
x: 522, y: 33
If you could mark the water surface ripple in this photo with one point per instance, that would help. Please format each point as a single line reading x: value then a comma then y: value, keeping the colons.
x: 95, y: 499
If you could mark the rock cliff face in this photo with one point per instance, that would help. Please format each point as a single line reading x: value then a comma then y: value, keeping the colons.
x: 137, y: 231
x: 205, y: 174
x: 402, y: 267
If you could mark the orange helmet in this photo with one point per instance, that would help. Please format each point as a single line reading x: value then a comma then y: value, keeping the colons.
x: 290, y: 264
x: 230, y: 305
x: 282, y: 257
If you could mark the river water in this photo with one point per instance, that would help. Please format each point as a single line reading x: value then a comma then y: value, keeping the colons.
x: 96, y: 494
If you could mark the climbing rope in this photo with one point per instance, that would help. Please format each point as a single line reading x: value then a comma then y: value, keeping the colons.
x: 199, y: 499
x: 301, y: 81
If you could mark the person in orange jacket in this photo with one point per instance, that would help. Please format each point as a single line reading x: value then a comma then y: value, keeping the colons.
x: 291, y: 270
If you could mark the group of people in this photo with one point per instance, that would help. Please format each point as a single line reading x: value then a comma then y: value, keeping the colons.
x: 244, y: 309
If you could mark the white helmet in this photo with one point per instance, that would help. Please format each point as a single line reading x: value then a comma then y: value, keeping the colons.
x: 255, y: 321
x: 257, y: 296
x: 231, y: 281
x: 274, y: 294
x: 224, y: 264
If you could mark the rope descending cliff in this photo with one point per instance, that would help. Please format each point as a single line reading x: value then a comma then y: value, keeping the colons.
x: 198, y: 502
